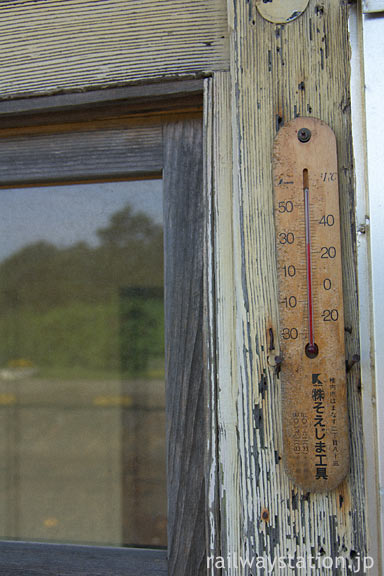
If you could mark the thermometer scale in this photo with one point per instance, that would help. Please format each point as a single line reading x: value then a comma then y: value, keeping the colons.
x: 313, y: 374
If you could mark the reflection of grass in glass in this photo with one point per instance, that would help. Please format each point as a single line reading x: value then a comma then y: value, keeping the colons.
x: 81, y: 373
x: 78, y: 334
x: 81, y: 340
x: 75, y: 373
x: 156, y: 369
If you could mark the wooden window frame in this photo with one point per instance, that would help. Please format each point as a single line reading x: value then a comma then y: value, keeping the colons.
x: 373, y: 6
x: 119, y: 134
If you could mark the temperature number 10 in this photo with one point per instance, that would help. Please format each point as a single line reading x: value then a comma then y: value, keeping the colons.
x: 290, y: 302
x: 289, y: 271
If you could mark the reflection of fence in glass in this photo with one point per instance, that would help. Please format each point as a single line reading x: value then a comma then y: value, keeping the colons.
x: 142, y: 331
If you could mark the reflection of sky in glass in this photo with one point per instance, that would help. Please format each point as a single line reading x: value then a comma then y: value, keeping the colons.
x: 65, y: 215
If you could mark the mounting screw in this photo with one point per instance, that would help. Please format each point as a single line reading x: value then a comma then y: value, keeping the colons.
x: 304, y: 134
x: 349, y: 365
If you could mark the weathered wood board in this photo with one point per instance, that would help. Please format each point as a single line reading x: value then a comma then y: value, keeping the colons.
x: 50, y: 46
x: 373, y: 6
x: 83, y: 153
x: 19, y: 559
x: 222, y: 499
x: 184, y: 225
x: 279, y: 72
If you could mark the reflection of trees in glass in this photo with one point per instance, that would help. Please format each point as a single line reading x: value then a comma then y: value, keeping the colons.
x: 58, y: 306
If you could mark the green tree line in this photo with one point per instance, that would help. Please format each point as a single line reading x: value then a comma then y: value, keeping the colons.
x: 80, y: 307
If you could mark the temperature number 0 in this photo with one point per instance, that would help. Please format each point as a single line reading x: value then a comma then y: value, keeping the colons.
x: 327, y: 284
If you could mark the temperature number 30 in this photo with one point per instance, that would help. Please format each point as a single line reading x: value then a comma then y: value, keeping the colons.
x: 289, y: 333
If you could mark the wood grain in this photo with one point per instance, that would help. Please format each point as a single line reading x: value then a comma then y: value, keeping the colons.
x: 370, y: 408
x: 21, y: 559
x: 111, y: 108
x: 220, y: 365
x: 89, y: 152
x: 151, y: 98
x: 97, y: 150
x: 50, y: 46
x: 184, y: 228
x: 373, y: 6
x: 279, y: 73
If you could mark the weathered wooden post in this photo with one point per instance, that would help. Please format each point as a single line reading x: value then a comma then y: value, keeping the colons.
x: 278, y: 72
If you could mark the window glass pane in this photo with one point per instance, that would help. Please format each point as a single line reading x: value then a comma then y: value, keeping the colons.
x: 82, y: 420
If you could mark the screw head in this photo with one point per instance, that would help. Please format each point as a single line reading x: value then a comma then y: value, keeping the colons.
x: 304, y: 135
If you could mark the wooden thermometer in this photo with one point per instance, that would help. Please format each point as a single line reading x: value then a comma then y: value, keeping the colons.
x: 313, y: 373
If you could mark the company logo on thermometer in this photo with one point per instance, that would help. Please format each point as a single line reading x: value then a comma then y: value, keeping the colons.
x: 313, y: 376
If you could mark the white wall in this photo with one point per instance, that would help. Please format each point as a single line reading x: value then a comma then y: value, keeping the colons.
x: 367, y: 88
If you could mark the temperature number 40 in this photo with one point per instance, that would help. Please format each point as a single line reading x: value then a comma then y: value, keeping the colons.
x: 327, y: 220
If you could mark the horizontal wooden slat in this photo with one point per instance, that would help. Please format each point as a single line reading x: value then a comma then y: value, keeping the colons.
x: 153, y: 97
x: 373, y: 6
x: 21, y: 559
x: 49, y: 46
x: 90, y: 153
